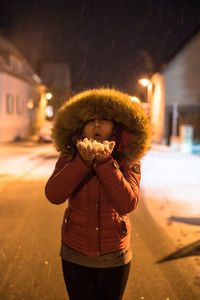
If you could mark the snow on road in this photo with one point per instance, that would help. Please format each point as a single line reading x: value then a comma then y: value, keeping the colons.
x: 171, y: 189
x: 28, y: 160
x: 174, y: 177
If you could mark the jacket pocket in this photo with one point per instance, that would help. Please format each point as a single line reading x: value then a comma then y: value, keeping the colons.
x: 123, y: 225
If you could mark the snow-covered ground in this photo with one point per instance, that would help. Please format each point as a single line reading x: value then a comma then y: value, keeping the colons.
x: 173, y: 176
x: 29, y: 160
x: 171, y: 188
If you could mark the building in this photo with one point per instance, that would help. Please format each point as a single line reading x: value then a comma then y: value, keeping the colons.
x: 57, y: 77
x: 21, y: 95
x: 174, y: 96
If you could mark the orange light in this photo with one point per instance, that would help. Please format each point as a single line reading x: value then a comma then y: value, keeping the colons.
x: 144, y: 81
x: 43, y: 101
x: 135, y: 99
x: 30, y: 104
x: 48, y: 96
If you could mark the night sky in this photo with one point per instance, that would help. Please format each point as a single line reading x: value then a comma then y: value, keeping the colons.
x: 106, y: 42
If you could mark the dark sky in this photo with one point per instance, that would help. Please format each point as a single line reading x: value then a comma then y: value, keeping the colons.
x: 107, y: 42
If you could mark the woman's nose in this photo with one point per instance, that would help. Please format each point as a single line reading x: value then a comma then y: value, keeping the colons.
x: 96, y: 123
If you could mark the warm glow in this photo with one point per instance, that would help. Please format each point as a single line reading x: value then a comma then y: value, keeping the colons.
x: 30, y: 104
x: 135, y: 99
x: 49, y: 111
x: 43, y: 101
x: 156, y: 107
x: 48, y: 96
x: 144, y: 81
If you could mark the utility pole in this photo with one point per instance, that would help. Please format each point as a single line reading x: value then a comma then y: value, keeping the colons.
x: 174, y: 119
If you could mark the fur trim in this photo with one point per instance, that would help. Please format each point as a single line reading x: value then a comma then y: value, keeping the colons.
x: 102, y: 103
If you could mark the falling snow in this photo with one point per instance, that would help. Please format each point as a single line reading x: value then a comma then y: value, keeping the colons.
x: 102, y: 40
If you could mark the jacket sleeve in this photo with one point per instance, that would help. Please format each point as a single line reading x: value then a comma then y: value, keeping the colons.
x: 65, y: 178
x: 123, y: 188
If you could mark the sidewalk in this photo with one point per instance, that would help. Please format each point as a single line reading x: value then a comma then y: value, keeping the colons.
x: 171, y: 187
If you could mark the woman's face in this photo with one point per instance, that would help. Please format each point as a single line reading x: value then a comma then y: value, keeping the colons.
x: 98, y: 129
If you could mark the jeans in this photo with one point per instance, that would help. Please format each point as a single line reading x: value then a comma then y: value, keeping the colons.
x: 95, y: 283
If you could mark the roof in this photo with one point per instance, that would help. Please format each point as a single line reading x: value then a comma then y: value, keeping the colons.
x: 14, y: 63
x: 193, y: 34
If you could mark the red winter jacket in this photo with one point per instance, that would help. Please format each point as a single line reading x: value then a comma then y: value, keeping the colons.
x: 96, y: 220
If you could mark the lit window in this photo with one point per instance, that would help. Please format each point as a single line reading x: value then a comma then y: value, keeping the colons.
x: 9, y: 104
x: 19, y: 105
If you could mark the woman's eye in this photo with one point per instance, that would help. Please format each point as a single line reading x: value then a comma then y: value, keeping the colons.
x: 90, y: 121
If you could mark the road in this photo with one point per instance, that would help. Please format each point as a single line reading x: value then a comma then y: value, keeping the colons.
x: 171, y: 280
x: 30, y: 241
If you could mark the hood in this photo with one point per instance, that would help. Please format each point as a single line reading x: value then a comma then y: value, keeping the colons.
x: 102, y: 103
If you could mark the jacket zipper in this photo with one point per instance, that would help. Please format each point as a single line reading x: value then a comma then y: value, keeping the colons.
x: 99, y: 239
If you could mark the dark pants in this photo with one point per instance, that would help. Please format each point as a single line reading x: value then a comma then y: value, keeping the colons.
x: 95, y: 283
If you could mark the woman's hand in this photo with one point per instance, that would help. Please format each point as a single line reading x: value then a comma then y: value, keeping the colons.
x: 102, y: 151
x: 91, y: 149
x: 85, y: 149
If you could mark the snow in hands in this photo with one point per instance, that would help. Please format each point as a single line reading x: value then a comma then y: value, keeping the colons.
x: 91, y: 149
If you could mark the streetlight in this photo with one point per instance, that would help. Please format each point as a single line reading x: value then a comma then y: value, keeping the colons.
x: 147, y: 83
x: 144, y: 82
x: 48, y: 96
x: 49, y: 108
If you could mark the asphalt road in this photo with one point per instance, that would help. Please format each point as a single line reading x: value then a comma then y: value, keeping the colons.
x: 30, y: 240
x: 149, y: 280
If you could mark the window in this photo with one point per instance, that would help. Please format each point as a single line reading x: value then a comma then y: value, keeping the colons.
x: 19, y: 105
x: 9, y: 104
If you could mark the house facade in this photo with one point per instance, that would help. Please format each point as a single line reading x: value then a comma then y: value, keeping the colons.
x: 174, y: 96
x: 20, y: 94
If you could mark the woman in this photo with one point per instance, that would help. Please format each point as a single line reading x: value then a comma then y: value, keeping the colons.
x: 102, y: 135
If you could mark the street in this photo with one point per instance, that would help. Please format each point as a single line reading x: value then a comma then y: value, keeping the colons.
x: 30, y: 241
x: 172, y: 280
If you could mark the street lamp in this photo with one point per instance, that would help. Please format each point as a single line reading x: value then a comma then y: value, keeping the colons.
x: 147, y: 83
x: 144, y: 82
x: 49, y: 108
x: 48, y: 96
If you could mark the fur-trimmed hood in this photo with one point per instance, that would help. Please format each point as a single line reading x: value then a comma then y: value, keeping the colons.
x: 102, y: 103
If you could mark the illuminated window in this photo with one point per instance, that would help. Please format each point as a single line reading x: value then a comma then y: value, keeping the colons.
x: 9, y: 104
x: 19, y: 105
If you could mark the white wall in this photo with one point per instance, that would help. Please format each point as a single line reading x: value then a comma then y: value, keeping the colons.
x: 12, y: 125
x: 156, y: 100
